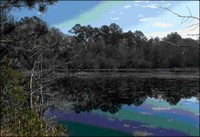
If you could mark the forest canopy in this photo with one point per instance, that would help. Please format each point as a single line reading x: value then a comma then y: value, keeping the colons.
x: 109, y: 47
x: 105, y: 47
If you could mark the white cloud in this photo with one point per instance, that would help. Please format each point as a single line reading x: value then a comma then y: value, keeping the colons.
x: 151, y: 6
x: 145, y: 19
x: 163, y: 25
x: 185, y: 33
x: 127, y: 6
x: 167, y: 5
x: 115, y: 18
x: 155, y: 6
x: 158, y: 34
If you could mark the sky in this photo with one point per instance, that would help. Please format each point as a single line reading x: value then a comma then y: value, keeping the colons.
x: 145, y: 16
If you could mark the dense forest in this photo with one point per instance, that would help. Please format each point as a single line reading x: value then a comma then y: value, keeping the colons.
x: 31, y: 51
x: 107, y: 47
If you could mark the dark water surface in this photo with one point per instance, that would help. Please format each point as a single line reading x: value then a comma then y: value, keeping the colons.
x: 129, y: 106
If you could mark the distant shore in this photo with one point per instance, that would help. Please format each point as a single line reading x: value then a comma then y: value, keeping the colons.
x: 190, y: 73
x: 133, y: 70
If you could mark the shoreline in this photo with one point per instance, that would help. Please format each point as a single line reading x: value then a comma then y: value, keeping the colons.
x: 177, y: 73
x: 166, y: 75
x: 132, y: 70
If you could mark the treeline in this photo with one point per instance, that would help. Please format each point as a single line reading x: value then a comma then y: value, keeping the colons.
x: 108, y: 47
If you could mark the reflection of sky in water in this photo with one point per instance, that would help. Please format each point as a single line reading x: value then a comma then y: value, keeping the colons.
x: 153, y: 117
x: 191, y: 105
x: 134, y: 106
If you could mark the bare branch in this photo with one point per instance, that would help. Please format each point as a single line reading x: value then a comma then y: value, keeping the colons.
x: 194, y: 28
x: 189, y: 11
x: 195, y: 24
x: 193, y: 34
x: 185, y: 18
x: 181, y: 16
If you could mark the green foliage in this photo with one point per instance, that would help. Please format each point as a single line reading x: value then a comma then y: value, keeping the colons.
x: 12, y: 93
x: 15, y: 114
x: 28, y: 123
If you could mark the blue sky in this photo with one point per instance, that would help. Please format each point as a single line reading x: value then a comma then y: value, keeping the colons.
x: 129, y: 15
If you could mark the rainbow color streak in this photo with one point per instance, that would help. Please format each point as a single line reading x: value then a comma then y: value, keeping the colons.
x: 94, y: 15
x: 155, y: 117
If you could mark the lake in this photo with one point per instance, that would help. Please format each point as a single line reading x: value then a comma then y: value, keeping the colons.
x: 130, y: 104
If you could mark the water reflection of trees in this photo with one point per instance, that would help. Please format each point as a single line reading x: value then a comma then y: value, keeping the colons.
x: 108, y: 94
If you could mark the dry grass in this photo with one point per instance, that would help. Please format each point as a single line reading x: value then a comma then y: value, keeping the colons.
x: 6, y: 133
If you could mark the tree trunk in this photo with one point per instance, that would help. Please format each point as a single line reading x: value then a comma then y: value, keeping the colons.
x: 31, y: 87
x: 31, y: 91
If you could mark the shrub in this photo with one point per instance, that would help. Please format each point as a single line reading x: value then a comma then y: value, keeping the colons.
x: 16, y: 117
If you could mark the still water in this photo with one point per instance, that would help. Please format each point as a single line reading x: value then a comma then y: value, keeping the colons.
x: 129, y: 106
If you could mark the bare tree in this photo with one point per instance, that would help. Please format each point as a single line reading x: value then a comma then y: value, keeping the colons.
x: 41, y: 79
x: 37, y: 49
